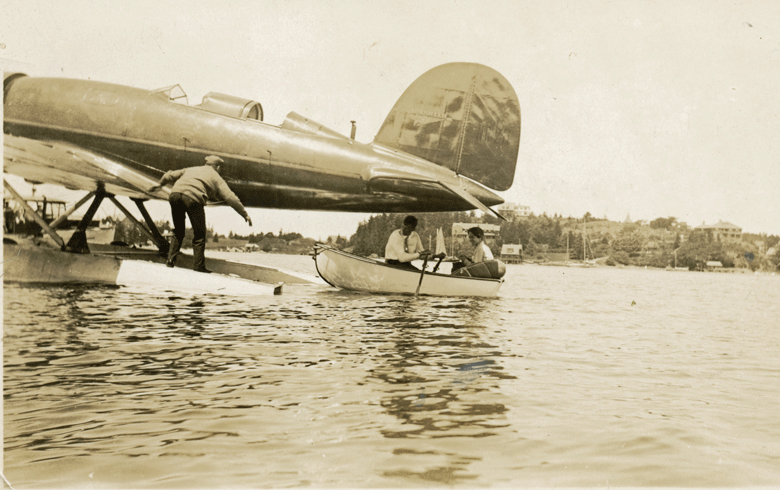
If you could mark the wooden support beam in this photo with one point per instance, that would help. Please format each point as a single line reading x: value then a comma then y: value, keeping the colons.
x: 32, y: 214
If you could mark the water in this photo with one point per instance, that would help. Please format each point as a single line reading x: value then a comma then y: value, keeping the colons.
x: 572, y: 377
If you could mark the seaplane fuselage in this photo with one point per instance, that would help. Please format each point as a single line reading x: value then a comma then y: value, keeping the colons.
x: 92, y: 135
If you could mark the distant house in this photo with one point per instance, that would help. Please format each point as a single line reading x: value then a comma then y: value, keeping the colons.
x: 713, y: 264
x: 510, y: 210
x: 721, y: 231
x: 460, y: 231
x: 512, y: 253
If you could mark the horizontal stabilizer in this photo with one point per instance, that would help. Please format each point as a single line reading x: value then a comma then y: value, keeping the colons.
x: 387, y: 176
x: 463, y: 116
x: 471, y: 199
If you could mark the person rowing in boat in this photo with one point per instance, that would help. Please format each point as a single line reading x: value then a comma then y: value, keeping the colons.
x: 404, y: 245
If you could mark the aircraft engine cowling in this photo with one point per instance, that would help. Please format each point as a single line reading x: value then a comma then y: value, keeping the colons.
x: 230, y: 105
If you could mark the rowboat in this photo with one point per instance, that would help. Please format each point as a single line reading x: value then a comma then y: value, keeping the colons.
x: 351, y: 272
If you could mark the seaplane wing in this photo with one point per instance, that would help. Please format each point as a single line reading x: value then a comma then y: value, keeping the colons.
x: 451, y: 137
x: 73, y: 167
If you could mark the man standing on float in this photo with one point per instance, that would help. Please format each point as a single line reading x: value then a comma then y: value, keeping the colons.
x: 192, y: 187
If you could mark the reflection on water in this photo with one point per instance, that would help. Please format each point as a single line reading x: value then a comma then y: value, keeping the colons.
x: 557, y: 384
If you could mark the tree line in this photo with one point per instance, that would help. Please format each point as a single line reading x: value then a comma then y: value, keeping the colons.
x: 662, y: 242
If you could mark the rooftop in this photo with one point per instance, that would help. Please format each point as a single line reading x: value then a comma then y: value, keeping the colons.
x: 719, y: 225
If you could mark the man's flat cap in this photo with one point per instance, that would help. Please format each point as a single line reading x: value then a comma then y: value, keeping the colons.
x: 213, y: 160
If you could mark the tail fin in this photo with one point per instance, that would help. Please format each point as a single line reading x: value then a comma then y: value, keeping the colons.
x: 463, y: 116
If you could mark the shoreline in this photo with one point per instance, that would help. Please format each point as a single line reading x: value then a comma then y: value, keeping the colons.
x: 732, y: 270
x: 574, y: 264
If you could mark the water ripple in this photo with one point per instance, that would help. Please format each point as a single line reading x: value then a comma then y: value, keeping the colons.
x: 560, y: 381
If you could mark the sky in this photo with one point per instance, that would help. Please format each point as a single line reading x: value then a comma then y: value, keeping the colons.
x: 629, y: 108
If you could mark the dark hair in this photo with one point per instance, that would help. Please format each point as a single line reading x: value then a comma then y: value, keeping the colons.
x: 410, y: 220
x: 477, y: 232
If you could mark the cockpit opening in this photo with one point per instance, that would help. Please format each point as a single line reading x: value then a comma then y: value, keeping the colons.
x: 227, y: 105
x: 174, y: 93
x: 230, y: 105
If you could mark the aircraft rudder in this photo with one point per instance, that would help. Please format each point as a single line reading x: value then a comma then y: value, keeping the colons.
x: 462, y: 116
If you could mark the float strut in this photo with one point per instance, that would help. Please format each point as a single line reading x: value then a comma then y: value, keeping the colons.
x: 78, y: 240
x: 137, y: 223
x: 64, y: 216
x: 162, y: 243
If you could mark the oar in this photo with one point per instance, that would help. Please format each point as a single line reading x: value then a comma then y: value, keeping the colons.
x: 441, y: 257
x: 425, y: 263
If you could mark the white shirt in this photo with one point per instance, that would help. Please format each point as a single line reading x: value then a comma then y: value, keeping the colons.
x: 482, y: 253
x: 403, y: 248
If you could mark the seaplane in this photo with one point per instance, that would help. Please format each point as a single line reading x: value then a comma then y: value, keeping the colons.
x: 448, y: 143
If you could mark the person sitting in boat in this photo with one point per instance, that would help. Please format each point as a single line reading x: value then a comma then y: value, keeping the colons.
x: 481, y: 250
x: 404, y: 245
